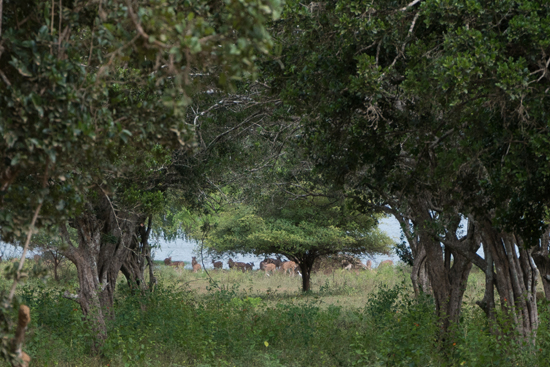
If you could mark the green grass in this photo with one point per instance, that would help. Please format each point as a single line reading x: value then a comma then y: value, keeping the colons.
x: 247, y: 319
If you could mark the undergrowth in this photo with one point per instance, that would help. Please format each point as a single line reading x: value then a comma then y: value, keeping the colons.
x: 230, y: 324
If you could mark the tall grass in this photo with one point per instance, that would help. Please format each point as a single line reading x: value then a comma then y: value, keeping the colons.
x: 248, y: 319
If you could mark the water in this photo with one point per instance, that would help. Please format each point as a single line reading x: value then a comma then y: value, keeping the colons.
x: 181, y: 250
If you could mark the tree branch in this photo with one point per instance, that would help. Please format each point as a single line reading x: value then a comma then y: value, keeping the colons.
x: 410, y: 4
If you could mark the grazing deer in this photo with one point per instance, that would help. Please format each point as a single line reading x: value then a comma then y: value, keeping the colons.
x: 289, y: 266
x: 196, y: 265
x: 237, y: 265
x: 177, y: 264
x: 217, y: 264
x: 386, y: 262
x: 269, y: 268
x: 278, y: 262
x: 241, y: 265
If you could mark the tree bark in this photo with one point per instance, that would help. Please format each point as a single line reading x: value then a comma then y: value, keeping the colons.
x: 104, y: 239
x: 516, y: 277
x: 419, y: 273
x: 542, y: 259
x: 448, y: 278
x: 305, y: 262
x: 138, y: 259
x: 55, y: 265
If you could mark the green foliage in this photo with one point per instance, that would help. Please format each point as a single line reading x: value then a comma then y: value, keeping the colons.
x: 228, y: 326
x: 92, y: 86
x: 444, y: 97
x: 318, y: 226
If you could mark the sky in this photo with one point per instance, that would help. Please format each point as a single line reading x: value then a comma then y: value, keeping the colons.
x: 182, y: 250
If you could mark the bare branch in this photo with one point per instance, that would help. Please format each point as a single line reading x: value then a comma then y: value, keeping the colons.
x: 410, y: 4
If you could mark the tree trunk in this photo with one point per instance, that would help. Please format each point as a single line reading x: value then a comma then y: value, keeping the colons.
x: 448, y: 278
x: 419, y: 273
x: 516, y: 278
x: 138, y: 259
x: 104, y: 239
x: 305, y: 262
x: 542, y: 259
x: 487, y: 304
x: 55, y: 265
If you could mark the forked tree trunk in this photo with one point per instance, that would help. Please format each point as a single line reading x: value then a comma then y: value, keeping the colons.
x: 138, y: 259
x: 103, y: 243
x: 448, y: 278
x: 419, y: 273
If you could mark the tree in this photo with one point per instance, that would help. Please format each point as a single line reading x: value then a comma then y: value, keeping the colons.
x: 433, y: 113
x: 84, y: 84
x: 302, y: 230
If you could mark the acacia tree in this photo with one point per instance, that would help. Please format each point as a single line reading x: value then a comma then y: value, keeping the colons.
x: 302, y: 230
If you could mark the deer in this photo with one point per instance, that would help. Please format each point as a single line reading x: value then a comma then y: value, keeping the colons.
x: 168, y: 261
x: 242, y: 266
x: 269, y: 268
x: 196, y: 265
x: 289, y: 266
x: 278, y: 262
x: 386, y: 262
x: 249, y: 266
x: 217, y: 264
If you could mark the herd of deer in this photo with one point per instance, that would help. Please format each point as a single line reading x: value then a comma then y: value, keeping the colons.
x: 268, y: 265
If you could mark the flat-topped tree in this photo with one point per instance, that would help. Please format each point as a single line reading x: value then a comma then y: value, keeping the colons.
x: 302, y: 230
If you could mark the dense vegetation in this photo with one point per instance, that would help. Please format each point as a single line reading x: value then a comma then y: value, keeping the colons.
x: 259, y: 127
x: 247, y: 319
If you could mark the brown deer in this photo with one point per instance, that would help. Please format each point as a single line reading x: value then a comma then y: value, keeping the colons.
x: 289, y: 266
x: 278, y: 262
x: 168, y: 261
x: 196, y: 265
x: 241, y: 265
x: 217, y: 264
x: 386, y: 262
x: 269, y: 268
x: 249, y: 266
x: 237, y: 265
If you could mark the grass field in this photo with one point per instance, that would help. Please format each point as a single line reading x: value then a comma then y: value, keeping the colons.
x: 229, y: 318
